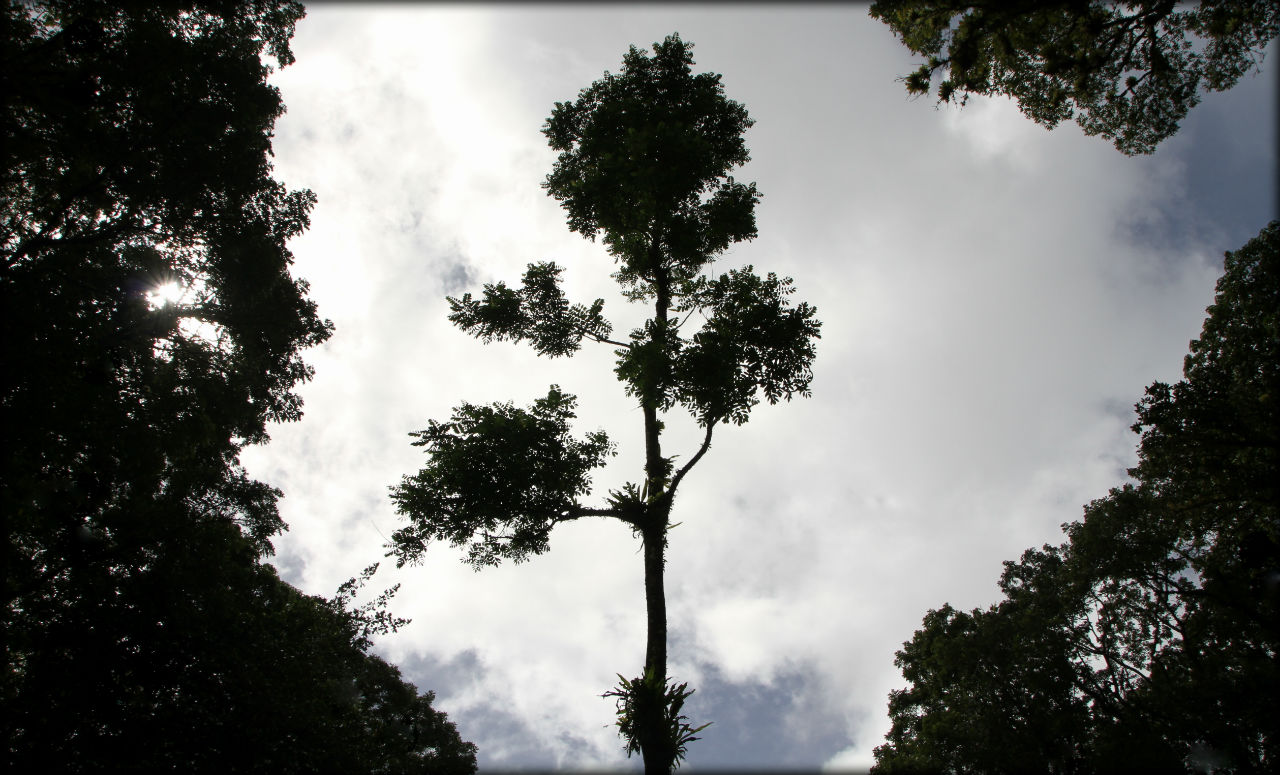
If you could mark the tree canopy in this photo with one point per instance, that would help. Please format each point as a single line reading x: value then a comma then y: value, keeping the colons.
x: 1148, y: 640
x: 152, y: 329
x: 1128, y: 71
x: 644, y: 165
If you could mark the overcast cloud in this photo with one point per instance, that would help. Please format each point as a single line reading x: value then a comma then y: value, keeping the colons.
x: 995, y: 297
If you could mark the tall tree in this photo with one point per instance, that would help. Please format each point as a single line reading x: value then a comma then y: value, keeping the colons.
x: 1149, y: 639
x: 1128, y: 71
x: 151, y: 328
x: 645, y: 157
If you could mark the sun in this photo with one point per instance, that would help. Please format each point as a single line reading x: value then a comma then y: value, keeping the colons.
x: 165, y: 294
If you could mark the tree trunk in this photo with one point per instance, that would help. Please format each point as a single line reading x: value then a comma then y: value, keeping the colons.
x: 655, y: 744
x: 655, y: 654
x: 653, y: 734
x: 657, y: 510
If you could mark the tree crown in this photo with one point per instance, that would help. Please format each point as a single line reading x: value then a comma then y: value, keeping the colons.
x: 1128, y: 71
x: 645, y: 161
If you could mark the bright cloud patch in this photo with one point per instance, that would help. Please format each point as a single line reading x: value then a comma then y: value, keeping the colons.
x: 994, y: 129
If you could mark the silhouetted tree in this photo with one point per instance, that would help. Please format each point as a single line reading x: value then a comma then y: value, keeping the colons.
x: 1129, y: 71
x: 151, y: 330
x: 208, y: 662
x: 1148, y: 641
x: 644, y: 163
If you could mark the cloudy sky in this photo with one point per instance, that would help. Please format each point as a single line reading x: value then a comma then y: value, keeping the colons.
x: 995, y: 297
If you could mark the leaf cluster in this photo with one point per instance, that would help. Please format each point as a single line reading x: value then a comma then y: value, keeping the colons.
x: 751, y: 342
x: 498, y: 479
x: 645, y: 157
x: 372, y: 618
x: 537, y: 312
x: 1126, y: 71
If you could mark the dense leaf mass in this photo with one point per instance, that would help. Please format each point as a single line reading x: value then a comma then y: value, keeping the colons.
x: 537, y: 312
x: 1128, y: 71
x: 208, y: 662
x: 1148, y: 641
x: 753, y: 342
x: 498, y: 479
x: 123, y: 177
x: 152, y: 329
x: 645, y: 156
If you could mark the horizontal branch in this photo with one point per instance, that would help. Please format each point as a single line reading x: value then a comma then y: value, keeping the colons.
x: 578, y: 512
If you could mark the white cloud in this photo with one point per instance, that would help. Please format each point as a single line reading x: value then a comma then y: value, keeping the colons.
x: 997, y: 131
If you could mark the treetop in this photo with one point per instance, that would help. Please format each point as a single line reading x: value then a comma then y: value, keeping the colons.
x: 645, y: 161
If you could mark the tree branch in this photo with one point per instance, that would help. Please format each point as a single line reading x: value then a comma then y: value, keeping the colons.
x: 578, y: 512
x: 686, y: 318
x: 702, y: 450
x: 604, y: 340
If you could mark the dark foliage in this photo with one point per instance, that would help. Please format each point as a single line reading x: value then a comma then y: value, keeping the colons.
x: 499, y: 478
x: 141, y: 630
x: 1128, y: 71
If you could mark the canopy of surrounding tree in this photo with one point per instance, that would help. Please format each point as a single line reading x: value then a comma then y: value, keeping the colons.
x: 151, y: 330
x: 1128, y: 71
x: 1148, y: 640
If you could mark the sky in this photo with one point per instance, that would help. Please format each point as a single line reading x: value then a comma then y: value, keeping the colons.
x: 994, y: 297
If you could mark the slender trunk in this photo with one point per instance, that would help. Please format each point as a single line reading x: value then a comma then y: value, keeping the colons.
x: 655, y: 531
x: 653, y: 733
x: 655, y: 654
x: 655, y: 466
x: 655, y: 743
